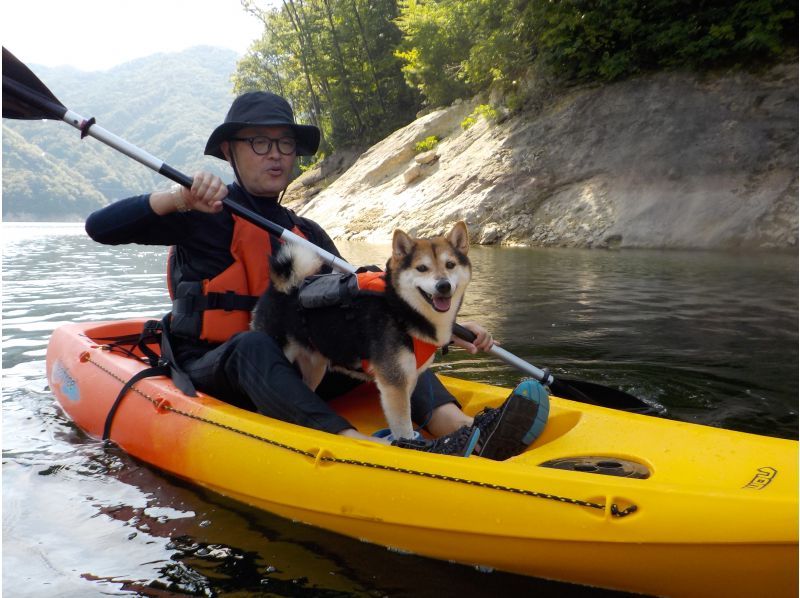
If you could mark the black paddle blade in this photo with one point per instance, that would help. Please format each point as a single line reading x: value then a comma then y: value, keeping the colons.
x: 25, y: 97
x: 603, y: 396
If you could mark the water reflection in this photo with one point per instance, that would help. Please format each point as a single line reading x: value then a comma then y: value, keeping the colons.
x: 711, y: 336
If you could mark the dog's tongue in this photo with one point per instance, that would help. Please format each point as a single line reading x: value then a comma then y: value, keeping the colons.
x: 441, y: 303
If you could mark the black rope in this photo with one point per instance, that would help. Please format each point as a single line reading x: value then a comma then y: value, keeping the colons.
x: 160, y: 370
x: 165, y: 406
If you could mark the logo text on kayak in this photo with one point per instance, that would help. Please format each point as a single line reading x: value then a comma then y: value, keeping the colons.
x: 762, y: 478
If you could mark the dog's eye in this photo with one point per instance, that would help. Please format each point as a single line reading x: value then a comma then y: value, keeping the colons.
x: 450, y: 265
x: 422, y: 268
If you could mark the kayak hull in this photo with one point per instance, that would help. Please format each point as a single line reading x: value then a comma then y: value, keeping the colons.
x: 716, y: 513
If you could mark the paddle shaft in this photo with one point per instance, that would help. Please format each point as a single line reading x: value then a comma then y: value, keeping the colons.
x: 130, y: 150
x: 162, y: 168
x: 23, y: 91
x: 284, y: 234
x: 542, y: 376
x: 88, y: 127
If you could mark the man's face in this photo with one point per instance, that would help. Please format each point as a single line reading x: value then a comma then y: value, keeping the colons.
x: 266, y: 174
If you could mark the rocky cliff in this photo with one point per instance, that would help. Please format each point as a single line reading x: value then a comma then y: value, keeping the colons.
x: 669, y: 160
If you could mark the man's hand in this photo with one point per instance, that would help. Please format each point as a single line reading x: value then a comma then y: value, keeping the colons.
x: 482, y: 342
x: 205, y: 195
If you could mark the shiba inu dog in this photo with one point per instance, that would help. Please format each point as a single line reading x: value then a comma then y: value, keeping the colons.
x: 388, y: 331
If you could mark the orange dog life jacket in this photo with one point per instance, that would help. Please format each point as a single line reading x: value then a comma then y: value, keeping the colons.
x: 333, y: 289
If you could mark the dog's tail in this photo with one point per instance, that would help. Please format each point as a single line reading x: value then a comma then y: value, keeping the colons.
x: 291, y: 265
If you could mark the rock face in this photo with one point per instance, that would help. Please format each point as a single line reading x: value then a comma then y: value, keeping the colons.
x: 670, y: 160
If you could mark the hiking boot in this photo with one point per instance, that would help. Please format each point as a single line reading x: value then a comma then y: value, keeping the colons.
x: 460, y: 443
x: 508, y: 430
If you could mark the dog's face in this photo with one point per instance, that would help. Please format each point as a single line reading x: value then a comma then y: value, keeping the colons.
x: 431, y: 275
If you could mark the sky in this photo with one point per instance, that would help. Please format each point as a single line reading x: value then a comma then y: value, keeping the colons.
x: 94, y: 35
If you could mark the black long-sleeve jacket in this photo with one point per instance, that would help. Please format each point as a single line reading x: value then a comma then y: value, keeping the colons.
x: 201, y: 241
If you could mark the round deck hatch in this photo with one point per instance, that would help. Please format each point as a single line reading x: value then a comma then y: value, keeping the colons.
x: 602, y: 465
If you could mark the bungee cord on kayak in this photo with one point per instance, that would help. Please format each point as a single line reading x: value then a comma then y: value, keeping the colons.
x: 162, y: 406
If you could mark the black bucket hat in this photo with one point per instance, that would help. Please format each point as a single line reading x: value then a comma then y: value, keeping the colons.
x: 260, y: 109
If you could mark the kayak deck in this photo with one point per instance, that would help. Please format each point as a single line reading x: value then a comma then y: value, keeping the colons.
x: 693, y: 510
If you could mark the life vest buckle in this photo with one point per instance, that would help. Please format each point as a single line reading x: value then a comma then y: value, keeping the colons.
x: 229, y: 301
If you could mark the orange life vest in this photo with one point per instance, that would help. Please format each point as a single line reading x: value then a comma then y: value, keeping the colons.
x: 366, y: 283
x: 422, y: 351
x: 375, y: 282
x: 224, y: 302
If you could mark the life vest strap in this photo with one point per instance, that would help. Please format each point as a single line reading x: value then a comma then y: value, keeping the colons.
x: 154, y: 331
x: 217, y: 307
x: 227, y: 301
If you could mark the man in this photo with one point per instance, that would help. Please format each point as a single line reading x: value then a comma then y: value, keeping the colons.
x: 219, y: 262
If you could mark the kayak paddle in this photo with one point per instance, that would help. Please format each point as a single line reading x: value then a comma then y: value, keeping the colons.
x: 25, y: 97
x: 576, y: 390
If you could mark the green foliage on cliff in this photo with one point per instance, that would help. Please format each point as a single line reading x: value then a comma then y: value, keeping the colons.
x: 452, y: 47
x: 426, y: 144
x: 611, y: 39
x: 361, y: 68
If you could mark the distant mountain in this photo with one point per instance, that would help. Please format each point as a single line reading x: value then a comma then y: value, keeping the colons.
x: 166, y: 104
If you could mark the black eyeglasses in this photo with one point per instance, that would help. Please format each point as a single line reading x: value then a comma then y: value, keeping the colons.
x: 262, y: 145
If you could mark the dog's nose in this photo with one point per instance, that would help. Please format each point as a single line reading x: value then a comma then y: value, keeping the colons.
x: 443, y: 286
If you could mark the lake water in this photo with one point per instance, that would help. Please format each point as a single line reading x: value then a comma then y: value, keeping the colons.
x: 711, y: 336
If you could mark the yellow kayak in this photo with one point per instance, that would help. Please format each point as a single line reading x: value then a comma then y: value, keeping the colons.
x: 603, y: 498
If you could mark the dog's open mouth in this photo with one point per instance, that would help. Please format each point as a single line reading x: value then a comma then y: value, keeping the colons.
x: 438, y: 302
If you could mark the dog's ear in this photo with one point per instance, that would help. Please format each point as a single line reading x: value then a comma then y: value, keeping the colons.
x: 402, y: 244
x: 459, y: 237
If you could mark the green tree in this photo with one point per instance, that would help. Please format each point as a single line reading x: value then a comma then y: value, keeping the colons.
x: 334, y: 60
x: 455, y: 48
x: 361, y: 68
x: 436, y: 42
x: 612, y: 39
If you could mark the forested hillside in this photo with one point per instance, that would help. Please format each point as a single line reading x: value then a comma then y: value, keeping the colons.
x: 362, y: 69
x: 165, y: 104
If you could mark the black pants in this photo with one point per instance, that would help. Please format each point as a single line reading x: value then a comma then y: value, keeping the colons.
x: 251, y: 371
